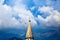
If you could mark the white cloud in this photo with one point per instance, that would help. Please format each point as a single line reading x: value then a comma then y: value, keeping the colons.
x: 6, y: 13
x: 54, y: 3
x: 45, y: 9
x: 19, y: 9
x: 1, y: 1
x: 53, y: 19
x: 32, y: 8
x: 24, y: 14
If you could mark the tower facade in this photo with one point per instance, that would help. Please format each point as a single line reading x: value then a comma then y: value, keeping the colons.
x: 29, y: 35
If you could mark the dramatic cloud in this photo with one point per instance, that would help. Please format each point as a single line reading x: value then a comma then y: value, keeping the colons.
x: 53, y: 19
x: 54, y: 3
x: 17, y: 13
x: 8, y: 15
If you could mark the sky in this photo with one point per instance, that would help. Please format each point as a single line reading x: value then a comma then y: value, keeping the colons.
x: 44, y: 16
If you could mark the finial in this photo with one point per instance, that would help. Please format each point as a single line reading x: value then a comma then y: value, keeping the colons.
x: 29, y: 19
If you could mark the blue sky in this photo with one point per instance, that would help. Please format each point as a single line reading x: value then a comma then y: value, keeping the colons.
x: 44, y: 15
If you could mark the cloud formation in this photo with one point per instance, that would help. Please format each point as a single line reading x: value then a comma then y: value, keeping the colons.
x: 7, y: 15
x: 18, y: 13
x: 54, y: 16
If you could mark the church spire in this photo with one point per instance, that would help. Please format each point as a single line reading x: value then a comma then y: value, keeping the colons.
x: 29, y: 35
